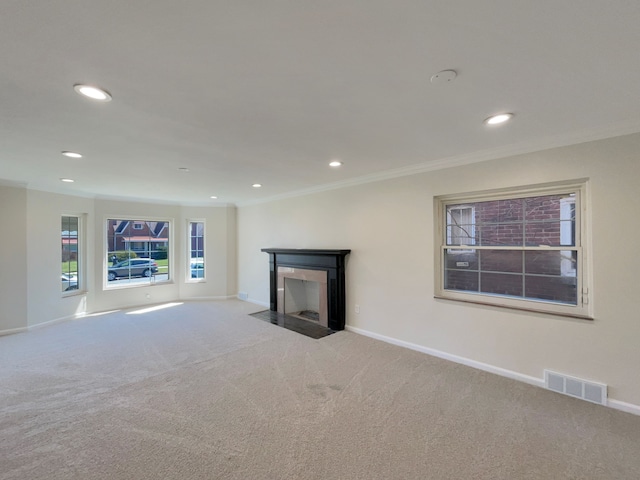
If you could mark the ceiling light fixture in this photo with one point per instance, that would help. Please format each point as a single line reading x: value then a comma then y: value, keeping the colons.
x: 183, y: 169
x: 71, y: 154
x: 67, y: 180
x: 498, y: 119
x: 335, y: 163
x: 94, y: 93
x: 256, y: 185
x: 213, y: 197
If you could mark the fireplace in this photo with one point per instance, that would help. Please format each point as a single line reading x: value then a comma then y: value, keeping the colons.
x: 309, y: 284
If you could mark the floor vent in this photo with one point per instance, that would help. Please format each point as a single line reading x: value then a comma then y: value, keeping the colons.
x: 243, y: 295
x: 576, y: 387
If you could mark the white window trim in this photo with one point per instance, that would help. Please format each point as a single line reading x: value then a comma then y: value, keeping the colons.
x: 584, y: 308
x: 187, y: 262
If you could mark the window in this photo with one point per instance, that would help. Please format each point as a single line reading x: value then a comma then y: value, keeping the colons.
x: 196, y: 251
x: 527, y: 249
x: 137, y: 252
x: 70, y: 275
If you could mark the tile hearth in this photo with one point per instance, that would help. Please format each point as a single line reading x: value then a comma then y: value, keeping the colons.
x: 295, y: 324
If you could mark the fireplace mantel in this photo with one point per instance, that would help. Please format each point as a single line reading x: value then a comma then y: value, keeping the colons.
x: 331, y: 261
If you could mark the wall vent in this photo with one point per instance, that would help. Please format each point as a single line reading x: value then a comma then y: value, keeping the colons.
x: 243, y: 295
x: 576, y: 387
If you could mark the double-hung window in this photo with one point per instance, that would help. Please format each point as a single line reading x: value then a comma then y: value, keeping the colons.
x: 521, y: 249
x: 196, y: 271
x: 70, y: 240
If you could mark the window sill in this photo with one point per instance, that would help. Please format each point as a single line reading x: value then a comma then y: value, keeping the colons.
x: 579, y: 316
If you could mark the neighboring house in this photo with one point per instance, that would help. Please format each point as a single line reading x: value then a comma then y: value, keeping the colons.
x: 144, y: 238
x: 544, y: 221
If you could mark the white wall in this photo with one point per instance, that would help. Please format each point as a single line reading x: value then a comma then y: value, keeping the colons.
x: 13, y: 258
x: 388, y: 225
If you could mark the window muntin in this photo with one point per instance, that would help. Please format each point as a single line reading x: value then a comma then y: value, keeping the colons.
x: 137, y: 252
x: 70, y: 258
x: 527, y: 250
x: 196, y: 251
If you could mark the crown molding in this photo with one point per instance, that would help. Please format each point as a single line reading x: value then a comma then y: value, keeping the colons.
x: 547, y: 143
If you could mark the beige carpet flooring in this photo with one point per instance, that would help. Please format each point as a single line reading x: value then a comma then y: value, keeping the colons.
x: 204, y: 391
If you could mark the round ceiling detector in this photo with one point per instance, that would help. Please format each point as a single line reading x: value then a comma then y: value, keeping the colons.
x: 445, y: 76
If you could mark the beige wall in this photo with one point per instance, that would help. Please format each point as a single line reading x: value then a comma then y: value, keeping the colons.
x: 46, y: 302
x: 30, y: 278
x: 13, y: 258
x: 389, y: 227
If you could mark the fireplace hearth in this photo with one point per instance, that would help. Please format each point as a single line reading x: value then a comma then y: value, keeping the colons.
x: 324, y: 267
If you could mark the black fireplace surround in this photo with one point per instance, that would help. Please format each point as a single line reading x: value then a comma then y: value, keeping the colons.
x: 330, y: 261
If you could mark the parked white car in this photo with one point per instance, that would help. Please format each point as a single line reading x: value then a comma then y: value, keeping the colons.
x: 69, y: 282
x: 197, y: 268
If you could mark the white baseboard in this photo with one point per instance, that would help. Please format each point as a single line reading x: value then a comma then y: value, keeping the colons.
x: 255, y: 302
x: 624, y: 406
x: 55, y: 320
x: 207, y: 299
x: 537, y: 382
x: 11, y: 331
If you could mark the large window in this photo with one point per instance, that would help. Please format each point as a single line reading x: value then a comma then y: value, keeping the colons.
x: 196, y: 251
x: 70, y: 241
x: 137, y: 252
x: 524, y: 249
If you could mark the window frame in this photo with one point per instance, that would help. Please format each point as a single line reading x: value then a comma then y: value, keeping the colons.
x: 142, y: 219
x: 583, y: 309
x: 189, y: 278
x: 80, y: 263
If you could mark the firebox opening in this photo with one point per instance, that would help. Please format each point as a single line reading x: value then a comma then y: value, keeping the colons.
x: 302, y: 299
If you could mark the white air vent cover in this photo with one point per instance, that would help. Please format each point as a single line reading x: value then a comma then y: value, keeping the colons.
x: 576, y: 387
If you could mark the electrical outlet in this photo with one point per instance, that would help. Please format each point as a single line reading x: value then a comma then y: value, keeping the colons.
x: 357, y: 308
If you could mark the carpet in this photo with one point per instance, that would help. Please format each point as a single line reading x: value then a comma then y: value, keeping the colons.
x: 203, y: 390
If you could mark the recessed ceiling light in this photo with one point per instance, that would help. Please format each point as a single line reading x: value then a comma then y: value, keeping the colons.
x: 183, y: 169
x: 213, y: 197
x: 71, y: 154
x: 335, y: 163
x: 94, y: 93
x: 67, y: 180
x: 256, y: 185
x: 497, y: 119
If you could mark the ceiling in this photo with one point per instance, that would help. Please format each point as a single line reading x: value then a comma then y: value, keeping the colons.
x: 240, y: 92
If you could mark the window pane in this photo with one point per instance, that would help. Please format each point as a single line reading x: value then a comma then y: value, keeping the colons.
x: 463, y: 234
x: 507, y: 235
x: 501, y: 284
x: 461, y: 259
x: 555, y: 262
x: 553, y: 233
x: 500, y: 211
x: 137, y: 252
x: 461, y: 280
x: 501, y: 261
x: 69, y: 257
x: 553, y: 289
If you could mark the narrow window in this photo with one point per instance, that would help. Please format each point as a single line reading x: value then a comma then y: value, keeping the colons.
x: 70, y: 253
x: 196, y: 251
